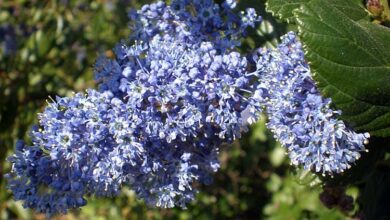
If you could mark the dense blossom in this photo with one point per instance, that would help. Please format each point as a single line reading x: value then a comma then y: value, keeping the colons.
x: 181, y: 90
x: 299, y: 116
x: 193, y: 22
x: 165, y: 107
x: 188, y: 95
x: 93, y: 144
x: 59, y: 168
x: 163, y: 111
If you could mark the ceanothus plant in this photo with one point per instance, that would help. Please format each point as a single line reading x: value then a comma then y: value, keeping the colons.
x: 299, y: 116
x: 165, y: 107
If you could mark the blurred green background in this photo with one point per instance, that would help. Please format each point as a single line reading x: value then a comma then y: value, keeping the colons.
x: 48, y: 48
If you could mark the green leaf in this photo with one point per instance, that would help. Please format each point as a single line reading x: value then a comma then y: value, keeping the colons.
x: 350, y: 60
x: 284, y: 8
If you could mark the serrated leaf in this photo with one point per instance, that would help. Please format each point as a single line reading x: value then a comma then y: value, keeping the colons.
x: 284, y: 8
x: 350, y: 59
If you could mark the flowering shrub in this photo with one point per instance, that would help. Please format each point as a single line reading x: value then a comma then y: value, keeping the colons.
x: 176, y: 95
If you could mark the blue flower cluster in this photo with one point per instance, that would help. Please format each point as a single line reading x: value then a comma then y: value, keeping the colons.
x: 299, y: 116
x: 193, y: 21
x: 94, y: 144
x: 181, y: 90
x: 188, y: 98
x: 164, y: 108
x: 67, y: 151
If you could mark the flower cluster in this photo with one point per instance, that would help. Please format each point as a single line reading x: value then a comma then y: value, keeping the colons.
x: 188, y: 97
x: 299, y: 116
x: 181, y: 90
x: 68, y: 147
x: 94, y: 144
x: 163, y: 110
x: 193, y: 22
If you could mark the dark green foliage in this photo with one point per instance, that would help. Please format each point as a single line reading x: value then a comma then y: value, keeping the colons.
x: 350, y: 58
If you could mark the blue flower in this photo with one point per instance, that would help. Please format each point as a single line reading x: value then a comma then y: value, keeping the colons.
x: 163, y: 110
x: 66, y: 161
x: 181, y: 90
x: 193, y: 22
x: 57, y: 170
x: 301, y: 119
x: 182, y: 100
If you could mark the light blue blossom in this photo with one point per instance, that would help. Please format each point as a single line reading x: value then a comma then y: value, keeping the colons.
x: 193, y: 22
x: 180, y: 90
x: 301, y: 119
